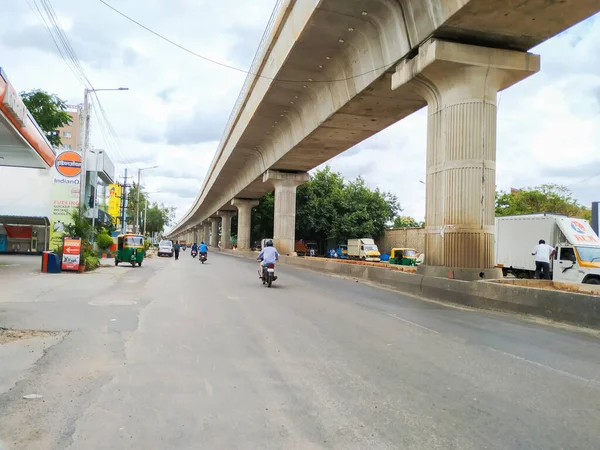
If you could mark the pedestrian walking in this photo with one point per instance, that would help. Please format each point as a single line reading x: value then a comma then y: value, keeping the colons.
x: 176, y: 249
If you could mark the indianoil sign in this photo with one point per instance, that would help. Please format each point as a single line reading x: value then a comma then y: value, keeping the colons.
x: 66, y: 181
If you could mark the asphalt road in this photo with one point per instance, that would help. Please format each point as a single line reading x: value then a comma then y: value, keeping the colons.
x: 179, y: 355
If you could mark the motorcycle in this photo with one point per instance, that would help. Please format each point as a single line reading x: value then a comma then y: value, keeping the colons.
x: 194, y: 253
x: 268, y: 274
x: 202, y: 258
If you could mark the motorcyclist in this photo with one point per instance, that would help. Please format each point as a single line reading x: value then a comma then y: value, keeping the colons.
x: 195, y: 247
x: 203, y: 250
x: 268, y: 255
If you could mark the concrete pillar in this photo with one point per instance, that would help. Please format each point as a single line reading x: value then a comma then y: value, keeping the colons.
x: 460, y: 85
x: 284, y: 226
x: 226, y: 228
x: 244, y: 207
x: 214, y: 237
x: 206, y: 234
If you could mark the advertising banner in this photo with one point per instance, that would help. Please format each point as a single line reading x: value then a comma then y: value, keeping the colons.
x: 66, y: 180
x: 71, y: 253
x: 114, y: 203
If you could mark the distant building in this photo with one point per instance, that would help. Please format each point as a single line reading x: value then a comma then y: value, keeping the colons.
x: 72, y: 135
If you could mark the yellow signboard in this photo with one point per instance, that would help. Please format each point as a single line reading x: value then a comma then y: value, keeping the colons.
x: 114, y: 202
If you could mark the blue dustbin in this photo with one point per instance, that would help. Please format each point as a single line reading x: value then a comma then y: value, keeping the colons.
x: 50, y: 262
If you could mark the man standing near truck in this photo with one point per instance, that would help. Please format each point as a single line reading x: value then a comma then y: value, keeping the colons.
x: 543, y: 252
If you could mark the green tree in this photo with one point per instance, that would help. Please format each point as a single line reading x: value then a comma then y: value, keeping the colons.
x: 327, y: 207
x: 49, y: 111
x: 549, y: 198
x: 407, y: 222
x: 158, y: 217
x: 80, y: 227
x: 262, y: 218
x: 365, y: 213
x: 318, y: 205
x: 132, y: 202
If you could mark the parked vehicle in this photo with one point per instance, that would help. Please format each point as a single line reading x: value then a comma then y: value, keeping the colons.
x: 303, y: 248
x: 130, y: 249
x: 268, y: 274
x: 342, y: 251
x: 577, y: 258
x: 364, y: 249
x: 165, y: 248
x: 403, y: 257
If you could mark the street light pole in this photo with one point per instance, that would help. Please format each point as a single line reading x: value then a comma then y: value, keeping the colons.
x: 94, y: 205
x: 86, y: 140
x: 146, y: 211
x: 137, y: 204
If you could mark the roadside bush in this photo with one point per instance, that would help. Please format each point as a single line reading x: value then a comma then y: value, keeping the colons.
x: 88, y: 256
x: 104, y: 241
x: 92, y: 262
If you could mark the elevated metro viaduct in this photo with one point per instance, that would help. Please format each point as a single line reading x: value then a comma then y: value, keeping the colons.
x: 331, y: 73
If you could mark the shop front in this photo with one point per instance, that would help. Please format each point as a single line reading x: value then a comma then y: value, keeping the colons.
x: 24, y: 235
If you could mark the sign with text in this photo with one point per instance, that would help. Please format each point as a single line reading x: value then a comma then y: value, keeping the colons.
x: 66, y: 179
x: 71, y: 253
x: 114, y: 203
x: 15, y: 105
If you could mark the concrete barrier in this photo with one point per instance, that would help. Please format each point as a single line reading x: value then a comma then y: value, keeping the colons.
x: 563, y: 306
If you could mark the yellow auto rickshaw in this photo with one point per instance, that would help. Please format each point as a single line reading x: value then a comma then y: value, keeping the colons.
x: 403, y: 257
x: 130, y: 249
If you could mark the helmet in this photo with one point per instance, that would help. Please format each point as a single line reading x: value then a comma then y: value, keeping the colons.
x: 202, y: 243
x: 269, y: 243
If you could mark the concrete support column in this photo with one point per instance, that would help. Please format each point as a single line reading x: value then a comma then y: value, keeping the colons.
x: 284, y: 226
x: 206, y: 236
x: 226, y: 228
x: 460, y: 85
x: 214, y: 237
x: 244, y: 207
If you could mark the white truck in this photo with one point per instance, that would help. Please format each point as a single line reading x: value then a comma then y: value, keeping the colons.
x: 577, y: 258
x: 364, y: 249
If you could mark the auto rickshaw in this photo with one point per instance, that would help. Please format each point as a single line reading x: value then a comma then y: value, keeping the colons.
x: 130, y: 249
x: 403, y: 257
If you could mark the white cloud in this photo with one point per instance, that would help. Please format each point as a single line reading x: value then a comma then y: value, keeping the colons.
x: 175, y: 110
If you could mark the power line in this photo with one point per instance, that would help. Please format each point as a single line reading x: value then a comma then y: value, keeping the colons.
x: 237, y: 69
x: 67, y: 53
x: 584, y: 180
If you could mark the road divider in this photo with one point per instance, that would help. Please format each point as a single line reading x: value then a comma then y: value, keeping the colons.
x: 563, y: 306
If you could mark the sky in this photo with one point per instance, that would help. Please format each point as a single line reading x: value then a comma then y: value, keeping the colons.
x: 178, y: 104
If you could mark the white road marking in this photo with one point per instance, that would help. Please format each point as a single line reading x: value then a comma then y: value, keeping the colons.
x: 544, y: 366
x: 411, y: 323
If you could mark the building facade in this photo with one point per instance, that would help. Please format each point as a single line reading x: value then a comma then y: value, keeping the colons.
x: 71, y: 135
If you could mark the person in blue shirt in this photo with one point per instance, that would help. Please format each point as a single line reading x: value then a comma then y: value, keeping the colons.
x: 203, y: 250
x: 268, y: 255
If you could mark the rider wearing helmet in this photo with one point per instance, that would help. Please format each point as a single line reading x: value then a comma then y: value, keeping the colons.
x: 268, y: 255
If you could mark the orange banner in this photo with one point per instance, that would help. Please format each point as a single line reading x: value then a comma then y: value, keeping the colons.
x: 71, y: 253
